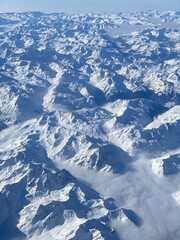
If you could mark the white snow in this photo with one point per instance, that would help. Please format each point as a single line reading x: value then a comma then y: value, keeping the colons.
x: 89, y: 126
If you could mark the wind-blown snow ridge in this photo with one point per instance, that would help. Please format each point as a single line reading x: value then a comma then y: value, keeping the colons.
x: 89, y: 126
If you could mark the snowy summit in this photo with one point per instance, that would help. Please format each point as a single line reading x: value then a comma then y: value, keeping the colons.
x: 89, y: 126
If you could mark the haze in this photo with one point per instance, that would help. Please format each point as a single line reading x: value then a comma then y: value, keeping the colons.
x: 86, y: 6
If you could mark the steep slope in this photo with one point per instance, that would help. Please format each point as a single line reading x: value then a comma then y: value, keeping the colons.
x: 89, y: 126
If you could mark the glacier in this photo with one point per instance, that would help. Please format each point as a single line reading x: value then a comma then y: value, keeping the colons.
x: 89, y: 126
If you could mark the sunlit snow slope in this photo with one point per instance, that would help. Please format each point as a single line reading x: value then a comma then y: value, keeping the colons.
x: 89, y: 126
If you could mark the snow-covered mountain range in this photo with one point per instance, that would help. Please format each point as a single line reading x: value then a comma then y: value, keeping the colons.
x: 89, y: 126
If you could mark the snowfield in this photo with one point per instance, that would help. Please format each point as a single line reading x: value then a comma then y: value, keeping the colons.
x: 89, y: 126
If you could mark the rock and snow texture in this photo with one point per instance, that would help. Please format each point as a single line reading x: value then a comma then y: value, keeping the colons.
x: 89, y: 126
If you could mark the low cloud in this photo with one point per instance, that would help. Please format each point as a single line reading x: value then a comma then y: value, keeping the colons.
x: 148, y: 195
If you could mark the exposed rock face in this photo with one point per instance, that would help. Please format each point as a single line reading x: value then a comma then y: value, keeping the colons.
x: 89, y: 126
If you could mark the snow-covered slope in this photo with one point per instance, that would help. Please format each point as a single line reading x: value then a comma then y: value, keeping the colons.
x: 89, y: 126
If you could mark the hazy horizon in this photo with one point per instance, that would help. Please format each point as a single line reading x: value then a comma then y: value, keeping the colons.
x: 71, y: 6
